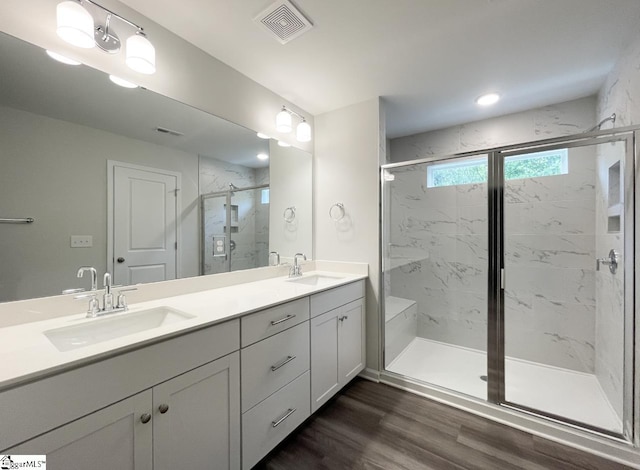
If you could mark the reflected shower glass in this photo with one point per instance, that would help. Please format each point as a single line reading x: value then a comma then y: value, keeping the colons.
x: 435, y: 272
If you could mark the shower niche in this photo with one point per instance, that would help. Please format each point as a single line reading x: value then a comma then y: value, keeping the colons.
x: 614, y: 207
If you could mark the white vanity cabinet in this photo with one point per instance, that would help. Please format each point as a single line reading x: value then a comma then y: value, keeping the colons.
x: 337, y: 340
x: 191, y: 418
x: 275, y: 377
x: 170, y: 416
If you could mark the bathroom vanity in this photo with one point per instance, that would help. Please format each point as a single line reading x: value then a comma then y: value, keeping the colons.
x: 206, y: 387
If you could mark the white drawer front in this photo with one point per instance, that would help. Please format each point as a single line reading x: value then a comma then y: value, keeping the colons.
x: 273, y: 320
x: 337, y: 297
x: 264, y: 426
x: 272, y: 363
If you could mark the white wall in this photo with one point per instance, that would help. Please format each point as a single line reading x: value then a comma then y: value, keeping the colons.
x: 58, y: 176
x: 291, y: 186
x: 184, y: 72
x: 349, y: 147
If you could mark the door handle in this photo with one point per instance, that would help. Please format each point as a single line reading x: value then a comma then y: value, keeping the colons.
x: 120, y: 260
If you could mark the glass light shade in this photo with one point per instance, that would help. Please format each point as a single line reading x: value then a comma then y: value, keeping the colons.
x: 122, y: 82
x: 141, y: 55
x: 283, y: 121
x: 263, y: 156
x: 62, y: 58
x: 75, y: 24
x: 303, y: 132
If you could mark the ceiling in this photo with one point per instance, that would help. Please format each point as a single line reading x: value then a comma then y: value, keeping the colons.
x: 429, y: 59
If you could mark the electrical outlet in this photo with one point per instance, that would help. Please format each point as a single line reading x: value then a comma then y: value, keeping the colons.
x: 81, y: 241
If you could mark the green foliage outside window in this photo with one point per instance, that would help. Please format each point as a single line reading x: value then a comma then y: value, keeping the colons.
x: 475, y: 171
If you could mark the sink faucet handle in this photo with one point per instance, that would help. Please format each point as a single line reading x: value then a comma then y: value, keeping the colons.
x: 277, y: 255
x: 122, y: 300
x: 94, y: 305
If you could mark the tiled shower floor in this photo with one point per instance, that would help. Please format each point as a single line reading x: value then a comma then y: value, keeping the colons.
x: 574, y: 395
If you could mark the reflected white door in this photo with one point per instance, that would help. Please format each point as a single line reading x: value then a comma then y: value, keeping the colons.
x: 145, y: 239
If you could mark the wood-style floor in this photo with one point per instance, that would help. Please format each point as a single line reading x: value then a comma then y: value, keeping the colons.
x: 374, y: 426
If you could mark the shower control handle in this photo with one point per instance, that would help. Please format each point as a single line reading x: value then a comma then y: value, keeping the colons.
x: 611, y: 261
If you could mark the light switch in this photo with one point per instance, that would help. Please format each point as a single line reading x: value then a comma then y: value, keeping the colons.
x: 81, y: 241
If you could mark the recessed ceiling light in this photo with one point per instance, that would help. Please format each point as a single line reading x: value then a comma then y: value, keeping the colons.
x: 488, y: 99
x: 283, y: 144
x: 122, y: 82
x: 262, y: 136
x: 61, y: 58
x: 262, y: 156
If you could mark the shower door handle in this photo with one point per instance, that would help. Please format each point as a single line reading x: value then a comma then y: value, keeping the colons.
x: 611, y: 261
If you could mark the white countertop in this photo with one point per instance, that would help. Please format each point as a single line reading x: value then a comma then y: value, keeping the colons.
x: 27, y: 354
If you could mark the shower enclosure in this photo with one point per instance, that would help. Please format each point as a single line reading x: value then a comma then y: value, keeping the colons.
x: 508, y: 276
x: 234, y: 229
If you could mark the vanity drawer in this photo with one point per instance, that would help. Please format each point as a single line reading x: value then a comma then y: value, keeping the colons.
x: 264, y: 426
x: 272, y: 363
x: 337, y: 297
x: 273, y: 320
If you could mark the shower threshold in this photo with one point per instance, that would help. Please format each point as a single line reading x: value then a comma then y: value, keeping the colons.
x: 562, y: 392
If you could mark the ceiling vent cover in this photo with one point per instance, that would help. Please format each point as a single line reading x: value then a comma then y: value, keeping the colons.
x: 284, y: 21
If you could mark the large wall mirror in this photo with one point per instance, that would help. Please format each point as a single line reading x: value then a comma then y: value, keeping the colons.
x: 132, y: 182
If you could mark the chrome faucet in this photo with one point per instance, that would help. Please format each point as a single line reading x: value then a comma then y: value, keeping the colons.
x: 296, y: 269
x: 107, y: 299
x: 94, y: 275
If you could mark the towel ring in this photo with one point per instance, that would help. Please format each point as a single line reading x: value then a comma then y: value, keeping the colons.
x: 289, y: 214
x: 336, y: 212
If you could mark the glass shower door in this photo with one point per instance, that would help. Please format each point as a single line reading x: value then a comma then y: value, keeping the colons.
x: 435, y: 272
x: 565, y: 239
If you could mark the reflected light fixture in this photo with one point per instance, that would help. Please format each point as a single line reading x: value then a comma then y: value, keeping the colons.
x: 284, y: 124
x: 61, y: 58
x: 78, y: 26
x: 282, y: 143
x: 262, y: 156
x: 488, y: 99
x: 262, y: 136
x: 122, y: 82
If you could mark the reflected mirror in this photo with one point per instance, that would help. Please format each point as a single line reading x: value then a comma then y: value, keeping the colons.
x: 132, y: 182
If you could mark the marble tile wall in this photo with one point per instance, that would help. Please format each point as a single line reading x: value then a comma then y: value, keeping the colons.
x: 621, y: 95
x: 438, y: 249
x: 555, y: 120
x: 252, y: 235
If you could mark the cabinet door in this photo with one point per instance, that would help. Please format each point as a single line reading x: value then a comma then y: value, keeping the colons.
x: 114, y: 437
x: 325, y: 376
x: 197, y: 418
x: 351, y: 343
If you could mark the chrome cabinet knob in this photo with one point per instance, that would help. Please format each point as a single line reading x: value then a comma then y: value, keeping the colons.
x: 145, y: 418
x: 163, y: 408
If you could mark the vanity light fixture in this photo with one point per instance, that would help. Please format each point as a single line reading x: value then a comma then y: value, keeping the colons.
x: 262, y: 156
x: 262, y: 136
x: 77, y: 26
x: 284, y: 124
x: 488, y: 99
x: 122, y: 82
x: 61, y: 58
x: 282, y: 143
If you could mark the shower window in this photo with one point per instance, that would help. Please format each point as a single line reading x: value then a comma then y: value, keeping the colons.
x: 532, y: 165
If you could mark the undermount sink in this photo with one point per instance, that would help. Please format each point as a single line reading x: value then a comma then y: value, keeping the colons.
x: 93, y: 331
x: 314, y: 280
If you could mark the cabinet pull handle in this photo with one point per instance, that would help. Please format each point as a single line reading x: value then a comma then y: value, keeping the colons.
x: 343, y: 318
x: 288, y: 359
x: 288, y: 317
x: 145, y: 418
x: 275, y: 424
x: 163, y: 408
